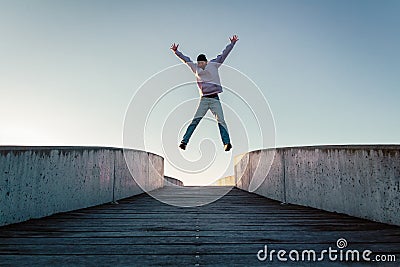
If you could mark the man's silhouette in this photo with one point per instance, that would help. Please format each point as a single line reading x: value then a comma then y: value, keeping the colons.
x: 208, y: 81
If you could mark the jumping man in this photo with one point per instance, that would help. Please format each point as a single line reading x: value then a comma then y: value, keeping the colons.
x: 208, y: 81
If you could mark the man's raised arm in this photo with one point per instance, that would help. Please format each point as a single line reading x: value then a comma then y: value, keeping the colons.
x: 185, y: 59
x: 221, y: 58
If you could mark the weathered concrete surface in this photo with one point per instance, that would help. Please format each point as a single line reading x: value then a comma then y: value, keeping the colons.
x: 251, y: 173
x: 241, y: 168
x: 225, y: 181
x: 170, y: 181
x: 156, y: 172
x: 125, y: 183
x: 260, y: 162
x: 40, y: 181
x: 358, y: 180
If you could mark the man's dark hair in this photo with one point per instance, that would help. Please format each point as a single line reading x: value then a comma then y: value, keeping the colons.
x: 201, y: 57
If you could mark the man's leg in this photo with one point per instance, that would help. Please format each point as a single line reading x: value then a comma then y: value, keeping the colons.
x: 216, y: 109
x: 200, y: 112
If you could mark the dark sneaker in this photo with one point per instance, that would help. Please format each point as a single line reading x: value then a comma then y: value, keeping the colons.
x: 227, y: 147
x: 182, y: 146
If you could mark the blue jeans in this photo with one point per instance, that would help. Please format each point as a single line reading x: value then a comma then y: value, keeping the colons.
x: 204, y: 105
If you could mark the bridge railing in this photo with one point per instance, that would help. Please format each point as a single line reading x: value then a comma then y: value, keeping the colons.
x: 40, y: 181
x: 171, y: 181
x: 358, y: 180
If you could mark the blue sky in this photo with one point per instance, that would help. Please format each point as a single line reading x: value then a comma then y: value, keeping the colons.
x: 328, y: 69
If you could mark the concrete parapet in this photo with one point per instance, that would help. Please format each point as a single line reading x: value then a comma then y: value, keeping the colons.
x: 40, y: 181
x: 358, y: 180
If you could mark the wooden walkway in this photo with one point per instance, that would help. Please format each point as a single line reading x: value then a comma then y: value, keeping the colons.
x: 142, y: 231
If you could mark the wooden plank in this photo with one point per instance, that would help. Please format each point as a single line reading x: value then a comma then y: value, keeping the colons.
x: 97, y: 260
x: 276, y: 236
x: 174, y: 249
x: 179, y: 239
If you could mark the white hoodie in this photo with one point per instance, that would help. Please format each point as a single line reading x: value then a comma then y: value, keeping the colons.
x: 208, y: 79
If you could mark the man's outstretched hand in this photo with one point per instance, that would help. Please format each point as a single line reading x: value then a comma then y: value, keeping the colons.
x: 174, y: 47
x: 234, y: 38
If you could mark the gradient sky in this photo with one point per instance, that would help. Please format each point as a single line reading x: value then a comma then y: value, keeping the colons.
x: 329, y: 69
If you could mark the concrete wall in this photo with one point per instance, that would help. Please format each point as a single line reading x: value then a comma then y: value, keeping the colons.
x: 225, y: 181
x: 40, y: 181
x: 358, y: 180
x: 170, y: 181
